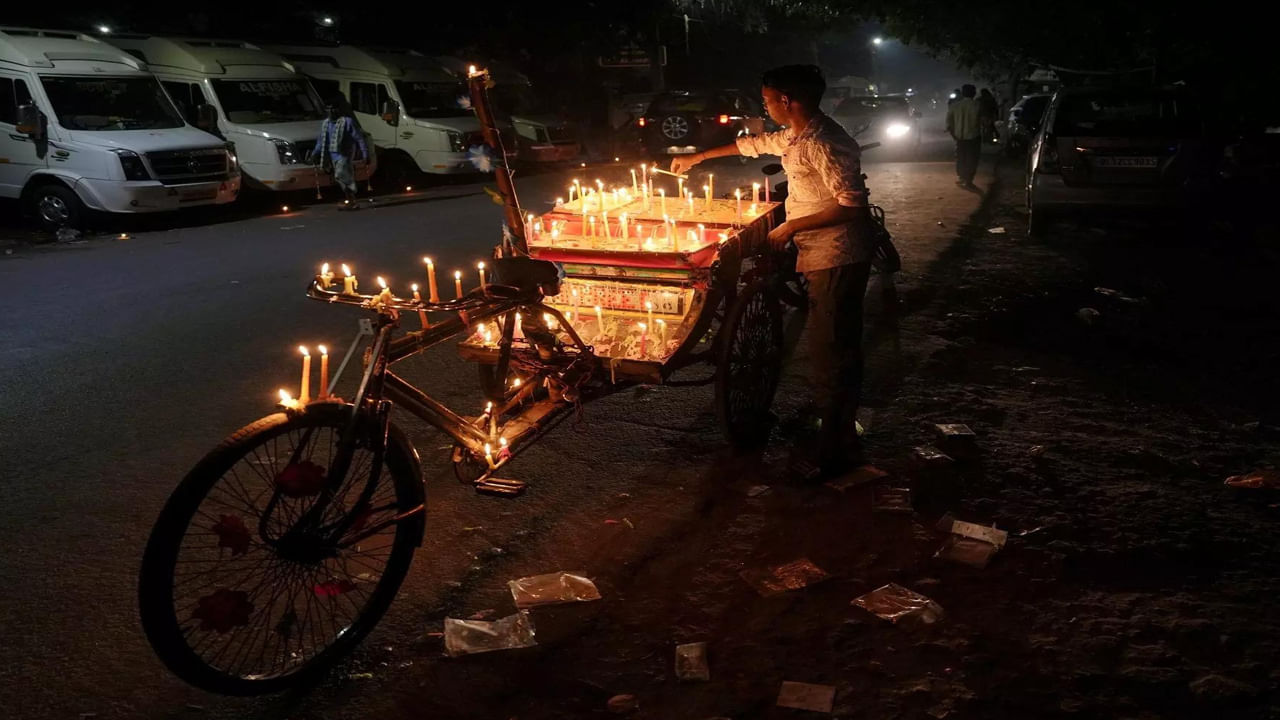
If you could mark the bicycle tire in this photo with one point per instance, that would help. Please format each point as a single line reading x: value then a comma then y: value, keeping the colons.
x: 156, y: 589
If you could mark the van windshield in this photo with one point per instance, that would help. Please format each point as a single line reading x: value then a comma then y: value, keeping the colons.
x: 252, y: 102
x: 433, y: 99
x: 110, y: 103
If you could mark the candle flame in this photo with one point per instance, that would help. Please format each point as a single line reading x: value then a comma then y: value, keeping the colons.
x: 457, y: 274
x: 382, y: 283
x: 661, y: 322
x: 488, y: 407
x: 427, y: 260
x: 515, y: 383
x: 323, y: 350
x: 303, y: 349
x: 346, y: 270
x: 471, y: 69
x: 480, y: 265
x: 414, y: 287
x: 648, y: 305
x: 488, y: 450
x: 737, y: 194
x: 502, y: 441
x: 285, y: 397
x: 641, y: 325
x: 324, y: 269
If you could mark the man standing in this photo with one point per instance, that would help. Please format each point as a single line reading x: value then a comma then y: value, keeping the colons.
x: 828, y: 220
x: 339, y: 137
x: 965, y: 127
x: 988, y: 108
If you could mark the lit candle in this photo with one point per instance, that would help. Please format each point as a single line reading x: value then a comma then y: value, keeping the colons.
x: 711, y: 188
x: 604, y: 220
x: 616, y: 203
x: 707, y: 189
x: 662, y: 335
x: 575, y: 296
x: 457, y: 282
x: 634, y: 186
x: 662, y: 193
x: 644, y: 337
x: 755, y: 193
x: 599, y: 321
x: 680, y: 187
x: 689, y: 197
x: 529, y: 228
x: 422, y: 314
x: 349, y: 284
x: 623, y: 220
x: 384, y: 297
x: 550, y: 322
x: 752, y: 211
x: 600, y: 192
x: 702, y: 234
x: 326, y: 277
x: 480, y: 267
x: 639, y: 235
x: 433, y: 294
x: 738, y: 194
x: 519, y: 326
x: 488, y: 455
x: 693, y: 240
x: 571, y: 194
x: 648, y: 306
x: 671, y: 235
x: 592, y: 221
x: 304, y: 395
x: 287, y: 401
x: 504, y: 452
x: 324, y: 372
x: 766, y: 191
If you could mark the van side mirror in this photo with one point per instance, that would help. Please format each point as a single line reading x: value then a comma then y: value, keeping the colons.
x: 30, y: 121
x: 206, y: 117
x: 391, y: 112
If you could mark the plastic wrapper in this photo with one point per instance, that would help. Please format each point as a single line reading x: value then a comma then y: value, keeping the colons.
x: 467, y: 637
x: 791, y: 576
x: 691, y: 662
x: 552, y: 589
x: 894, y: 602
x: 805, y: 696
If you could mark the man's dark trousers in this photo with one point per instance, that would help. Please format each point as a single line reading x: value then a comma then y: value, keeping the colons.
x: 835, y: 349
x: 967, y: 154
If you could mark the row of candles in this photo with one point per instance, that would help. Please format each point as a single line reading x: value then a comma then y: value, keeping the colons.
x: 628, y: 231
x: 642, y: 186
x: 623, y: 198
x: 351, y: 286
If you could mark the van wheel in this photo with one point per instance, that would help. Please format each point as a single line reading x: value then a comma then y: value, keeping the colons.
x: 55, y: 205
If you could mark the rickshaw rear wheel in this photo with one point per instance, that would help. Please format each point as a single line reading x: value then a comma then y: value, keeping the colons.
x: 750, y: 364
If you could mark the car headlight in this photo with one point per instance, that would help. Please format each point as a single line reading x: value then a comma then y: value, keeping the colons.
x: 897, y: 130
x: 132, y: 165
x: 285, y: 152
x: 455, y: 141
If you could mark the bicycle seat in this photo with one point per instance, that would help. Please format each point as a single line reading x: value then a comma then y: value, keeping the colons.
x: 527, y: 274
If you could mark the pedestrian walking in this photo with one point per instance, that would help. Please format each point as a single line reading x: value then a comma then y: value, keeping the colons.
x: 988, y: 109
x: 964, y: 126
x: 340, y: 137
x: 829, y: 222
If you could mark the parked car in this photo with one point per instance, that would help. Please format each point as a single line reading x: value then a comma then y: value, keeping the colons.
x: 1024, y: 121
x: 1120, y: 148
x: 687, y: 121
x: 417, y: 113
x: 259, y: 103
x: 887, y: 119
x: 542, y: 135
x: 85, y: 126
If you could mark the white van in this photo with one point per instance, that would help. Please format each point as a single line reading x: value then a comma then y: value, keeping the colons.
x: 266, y: 109
x: 86, y: 126
x: 418, y: 114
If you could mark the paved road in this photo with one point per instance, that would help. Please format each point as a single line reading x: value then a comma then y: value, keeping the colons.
x: 125, y: 360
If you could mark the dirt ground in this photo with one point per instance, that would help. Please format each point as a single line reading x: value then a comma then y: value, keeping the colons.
x: 1134, y: 584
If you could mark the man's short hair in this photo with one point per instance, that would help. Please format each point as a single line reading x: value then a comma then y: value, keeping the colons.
x: 968, y: 91
x: 802, y: 83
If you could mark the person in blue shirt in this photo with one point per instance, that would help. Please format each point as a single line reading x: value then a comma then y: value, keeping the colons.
x: 339, y: 137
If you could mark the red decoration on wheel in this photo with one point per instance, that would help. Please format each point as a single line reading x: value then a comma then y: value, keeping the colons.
x: 233, y: 534
x: 333, y: 588
x: 223, y: 610
x: 301, y: 479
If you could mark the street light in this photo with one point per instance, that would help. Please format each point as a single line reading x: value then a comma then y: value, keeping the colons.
x: 326, y: 21
x: 104, y: 30
x: 877, y: 40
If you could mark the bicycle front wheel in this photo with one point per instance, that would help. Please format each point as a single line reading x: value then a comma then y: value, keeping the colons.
x: 255, y: 578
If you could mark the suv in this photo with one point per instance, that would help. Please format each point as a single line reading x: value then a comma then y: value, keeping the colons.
x: 687, y: 121
x: 1116, y: 148
x: 1024, y: 121
x: 887, y: 119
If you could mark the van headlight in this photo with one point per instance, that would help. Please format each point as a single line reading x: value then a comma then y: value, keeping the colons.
x: 897, y: 130
x: 285, y: 152
x: 132, y: 165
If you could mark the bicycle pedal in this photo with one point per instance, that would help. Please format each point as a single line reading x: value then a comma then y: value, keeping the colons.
x: 500, y: 487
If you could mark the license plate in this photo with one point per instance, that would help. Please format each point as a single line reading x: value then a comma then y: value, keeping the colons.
x: 194, y: 195
x: 1127, y: 162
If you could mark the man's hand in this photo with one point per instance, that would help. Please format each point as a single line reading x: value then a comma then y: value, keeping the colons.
x: 682, y: 164
x: 781, y: 235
